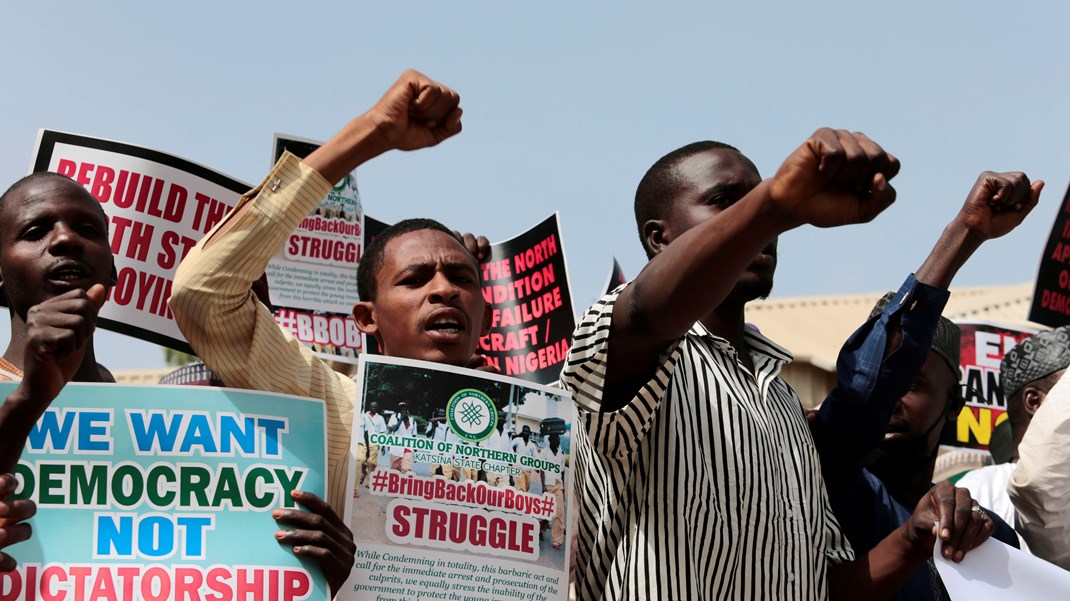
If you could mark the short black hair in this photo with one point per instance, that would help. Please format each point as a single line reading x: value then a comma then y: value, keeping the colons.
x: 372, y: 261
x: 31, y: 178
x: 661, y: 181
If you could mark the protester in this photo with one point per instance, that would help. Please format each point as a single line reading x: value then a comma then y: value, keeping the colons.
x: 55, y: 267
x: 371, y: 423
x: 1038, y: 398
x: 419, y: 285
x: 1027, y: 373
x: 914, y: 393
x: 695, y: 468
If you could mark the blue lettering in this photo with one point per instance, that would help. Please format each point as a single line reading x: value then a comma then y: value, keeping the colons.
x: 157, y: 435
x: 48, y: 434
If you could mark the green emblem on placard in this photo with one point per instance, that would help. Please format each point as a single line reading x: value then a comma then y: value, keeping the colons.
x: 471, y: 415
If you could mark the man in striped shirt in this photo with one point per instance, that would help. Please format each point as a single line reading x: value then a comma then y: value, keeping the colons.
x: 696, y: 472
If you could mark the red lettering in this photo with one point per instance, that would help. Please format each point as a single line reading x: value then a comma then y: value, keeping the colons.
x: 401, y: 527
x: 162, y: 588
x: 101, y: 189
x: 67, y: 167
x: 188, y: 583
x: 83, y: 173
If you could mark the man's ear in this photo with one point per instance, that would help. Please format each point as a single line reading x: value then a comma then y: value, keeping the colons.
x: 1032, y: 398
x: 656, y: 236
x: 364, y: 315
x: 488, y: 317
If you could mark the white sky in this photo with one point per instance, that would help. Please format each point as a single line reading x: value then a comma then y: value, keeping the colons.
x: 567, y: 104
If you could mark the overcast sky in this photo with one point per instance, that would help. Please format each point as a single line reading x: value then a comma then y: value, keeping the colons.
x: 567, y: 104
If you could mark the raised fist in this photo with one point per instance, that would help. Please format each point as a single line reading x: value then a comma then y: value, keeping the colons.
x: 835, y: 178
x: 999, y: 202
x: 416, y: 112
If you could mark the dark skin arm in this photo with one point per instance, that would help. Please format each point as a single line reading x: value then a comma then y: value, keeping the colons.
x: 997, y: 203
x: 56, y: 334
x: 414, y: 113
x: 887, y: 567
x: 834, y: 178
x: 319, y: 534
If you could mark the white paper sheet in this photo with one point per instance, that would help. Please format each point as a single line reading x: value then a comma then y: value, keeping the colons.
x: 996, y: 571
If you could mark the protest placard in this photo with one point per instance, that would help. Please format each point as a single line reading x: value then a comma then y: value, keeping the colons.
x: 313, y: 279
x: 464, y: 490
x: 166, y: 493
x: 616, y: 278
x: 1051, y: 297
x: 158, y: 207
x: 525, y: 280
x: 983, y: 346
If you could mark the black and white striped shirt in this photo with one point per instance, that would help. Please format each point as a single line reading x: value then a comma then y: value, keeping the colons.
x: 706, y: 485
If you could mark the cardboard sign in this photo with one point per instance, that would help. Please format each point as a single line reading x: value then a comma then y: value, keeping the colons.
x: 313, y: 279
x: 158, y: 207
x: 525, y: 279
x: 1051, y: 297
x: 982, y: 348
x: 157, y: 492
x: 456, y: 484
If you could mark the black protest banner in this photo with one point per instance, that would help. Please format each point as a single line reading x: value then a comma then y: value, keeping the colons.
x: 1051, y: 297
x: 525, y: 281
x: 616, y: 278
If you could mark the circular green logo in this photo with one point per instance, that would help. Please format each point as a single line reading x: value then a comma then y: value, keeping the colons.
x: 471, y: 415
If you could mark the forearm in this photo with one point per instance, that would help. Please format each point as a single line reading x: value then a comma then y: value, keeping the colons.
x: 955, y: 246
x: 875, y: 368
x: 212, y: 300
x: 879, y: 573
x: 358, y: 142
x: 18, y: 414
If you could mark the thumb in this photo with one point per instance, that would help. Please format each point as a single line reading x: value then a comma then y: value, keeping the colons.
x: 1036, y: 189
x: 882, y: 197
x: 97, y: 294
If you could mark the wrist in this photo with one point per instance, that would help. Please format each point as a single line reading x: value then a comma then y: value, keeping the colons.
x: 772, y: 212
x: 912, y: 546
x: 358, y: 142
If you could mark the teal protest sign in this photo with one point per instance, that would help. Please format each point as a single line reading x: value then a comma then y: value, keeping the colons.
x: 152, y: 492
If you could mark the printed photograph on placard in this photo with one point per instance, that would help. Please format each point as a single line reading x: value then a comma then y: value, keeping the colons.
x: 460, y: 482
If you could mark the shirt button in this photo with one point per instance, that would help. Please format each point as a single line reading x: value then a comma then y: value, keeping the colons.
x: 789, y: 513
x: 791, y: 576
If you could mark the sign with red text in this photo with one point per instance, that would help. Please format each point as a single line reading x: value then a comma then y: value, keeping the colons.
x: 313, y: 279
x: 1051, y: 297
x: 461, y: 485
x: 166, y: 493
x: 158, y: 207
x: 525, y: 280
x: 983, y: 346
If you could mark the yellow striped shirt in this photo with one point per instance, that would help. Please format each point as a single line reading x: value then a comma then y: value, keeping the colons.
x: 235, y: 335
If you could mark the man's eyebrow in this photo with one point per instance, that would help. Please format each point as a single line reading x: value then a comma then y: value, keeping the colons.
x: 416, y: 267
x: 724, y: 187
